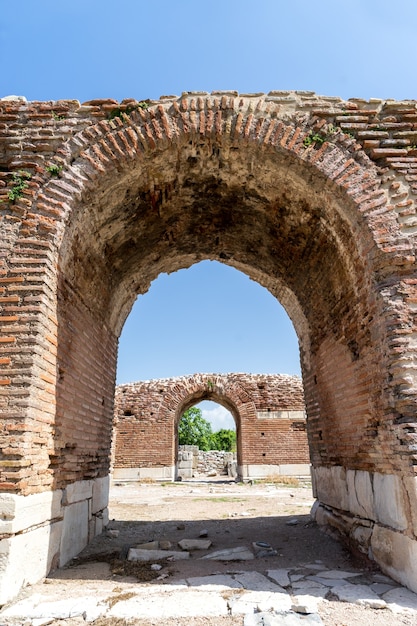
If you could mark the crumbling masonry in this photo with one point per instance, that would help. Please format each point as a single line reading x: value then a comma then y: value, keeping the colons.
x: 268, y: 410
x: 313, y: 197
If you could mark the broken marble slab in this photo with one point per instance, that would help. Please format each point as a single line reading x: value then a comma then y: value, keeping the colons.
x: 281, y: 576
x: 305, y: 604
x: 240, y: 553
x: 255, y: 581
x: 284, y: 619
x: 194, y: 544
x: 401, y: 600
x: 259, y: 601
x: 137, y: 554
x: 310, y: 588
x: 337, y: 573
x: 359, y: 594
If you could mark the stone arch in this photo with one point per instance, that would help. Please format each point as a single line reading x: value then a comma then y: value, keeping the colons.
x: 272, y: 185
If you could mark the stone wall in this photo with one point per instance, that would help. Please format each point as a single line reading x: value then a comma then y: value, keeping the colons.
x: 268, y: 410
x: 195, y: 463
x: 313, y: 197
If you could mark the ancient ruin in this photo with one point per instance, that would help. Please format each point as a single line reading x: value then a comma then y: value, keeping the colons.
x: 268, y: 410
x: 312, y: 197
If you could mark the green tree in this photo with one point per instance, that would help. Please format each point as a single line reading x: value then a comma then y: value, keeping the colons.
x: 194, y: 430
x: 224, y: 440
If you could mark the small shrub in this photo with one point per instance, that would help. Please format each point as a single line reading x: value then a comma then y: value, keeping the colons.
x: 54, y: 169
x: 20, y: 180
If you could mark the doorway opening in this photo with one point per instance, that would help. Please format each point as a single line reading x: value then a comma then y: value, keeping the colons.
x: 207, y: 443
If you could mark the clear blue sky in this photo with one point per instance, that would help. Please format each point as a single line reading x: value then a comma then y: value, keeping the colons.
x: 208, y: 318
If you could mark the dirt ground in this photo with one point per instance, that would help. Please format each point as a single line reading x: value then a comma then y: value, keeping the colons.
x: 230, y: 514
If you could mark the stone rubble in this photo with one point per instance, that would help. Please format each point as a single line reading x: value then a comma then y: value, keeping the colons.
x: 278, y: 597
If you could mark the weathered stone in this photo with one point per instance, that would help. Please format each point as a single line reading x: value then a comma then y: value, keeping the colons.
x: 390, y: 501
x: 100, y: 495
x: 194, y: 544
x: 304, y: 603
x: 331, y: 486
x: 281, y: 576
x: 397, y: 555
x: 284, y: 619
x: 359, y: 594
x: 240, y: 553
x: 410, y: 484
x: 78, y: 492
x: 136, y: 554
x: 360, y: 492
x: 20, y: 513
x: 401, y: 601
x: 75, y: 531
x: 38, y: 547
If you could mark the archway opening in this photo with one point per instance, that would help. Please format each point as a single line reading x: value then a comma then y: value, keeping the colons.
x: 207, y: 443
x: 209, y: 317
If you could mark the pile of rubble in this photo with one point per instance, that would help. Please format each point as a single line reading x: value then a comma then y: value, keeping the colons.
x: 193, y: 462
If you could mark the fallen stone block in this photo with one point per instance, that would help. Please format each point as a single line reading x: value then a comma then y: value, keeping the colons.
x: 150, y: 545
x: 241, y: 553
x: 194, y: 544
x: 136, y: 554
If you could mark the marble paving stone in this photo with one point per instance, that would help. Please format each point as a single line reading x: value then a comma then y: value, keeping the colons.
x: 182, y: 603
x: 258, y: 601
x: 285, y: 619
x: 215, y: 581
x: 336, y: 573
x: 281, y: 576
x: 380, y: 588
x: 359, y: 594
x: 401, y: 600
x: 328, y: 582
x: 254, y: 581
x: 305, y: 604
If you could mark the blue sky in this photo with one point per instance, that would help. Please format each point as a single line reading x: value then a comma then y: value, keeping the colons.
x: 209, y: 318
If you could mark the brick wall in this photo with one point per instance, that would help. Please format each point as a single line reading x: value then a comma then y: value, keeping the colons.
x: 313, y: 197
x: 147, y: 416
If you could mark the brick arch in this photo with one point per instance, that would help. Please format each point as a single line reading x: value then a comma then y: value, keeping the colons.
x: 227, y: 391
x: 268, y: 410
x: 274, y: 186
